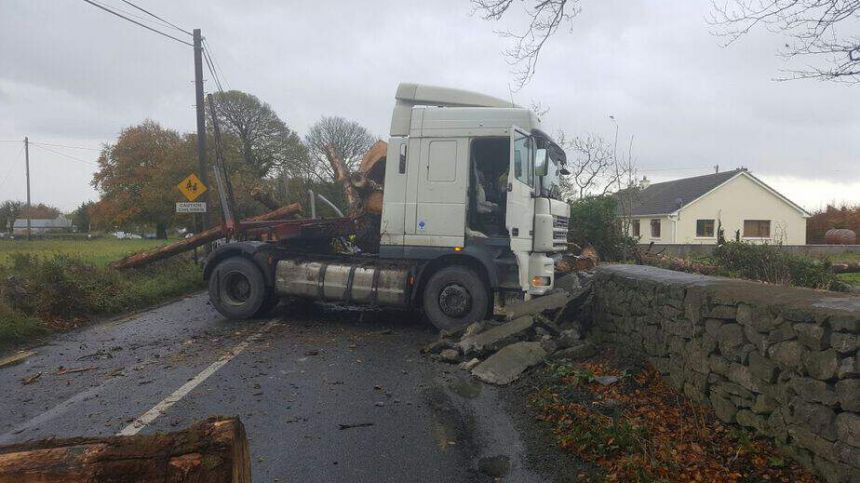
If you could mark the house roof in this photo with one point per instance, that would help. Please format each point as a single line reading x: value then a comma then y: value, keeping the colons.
x: 58, y: 222
x: 670, y: 196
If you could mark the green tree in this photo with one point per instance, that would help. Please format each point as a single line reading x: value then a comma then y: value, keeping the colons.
x: 137, y: 178
x: 10, y: 210
x: 265, y: 140
x: 594, y: 221
x: 81, y: 217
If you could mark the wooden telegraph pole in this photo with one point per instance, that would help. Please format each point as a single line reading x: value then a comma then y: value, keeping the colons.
x: 27, y: 163
x: 201, y: 126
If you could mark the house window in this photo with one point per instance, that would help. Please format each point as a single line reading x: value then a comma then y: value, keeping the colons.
x: 705, y: 228
x: 655, y: 228
x: 635, y: 227
x: 756, y: 228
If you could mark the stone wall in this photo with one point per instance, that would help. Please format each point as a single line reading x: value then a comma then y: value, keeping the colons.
x: 780, y: 360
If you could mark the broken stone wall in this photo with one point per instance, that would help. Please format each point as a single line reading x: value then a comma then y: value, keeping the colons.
x: 780, y: 360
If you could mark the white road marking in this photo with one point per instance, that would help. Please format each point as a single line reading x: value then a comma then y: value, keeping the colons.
x: 148, y: 417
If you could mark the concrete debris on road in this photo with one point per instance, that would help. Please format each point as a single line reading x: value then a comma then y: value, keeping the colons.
x: 548, y: 327
x: 505, y: 366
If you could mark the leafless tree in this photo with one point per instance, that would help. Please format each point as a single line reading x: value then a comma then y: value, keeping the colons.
x: 824, y: 31
x: 545, y: 18
x: 349, y: 139
x: 595, y: 169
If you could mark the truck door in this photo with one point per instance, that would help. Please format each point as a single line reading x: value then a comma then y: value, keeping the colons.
x: 440, y: 213
x: 519, y: 219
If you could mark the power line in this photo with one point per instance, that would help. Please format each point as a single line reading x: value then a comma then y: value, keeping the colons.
x: 91, y: 2
x: 156, y: 16
x: 66, y: 146
x: 65, y: 155
x: 212, y: 70
x: 214, y: 59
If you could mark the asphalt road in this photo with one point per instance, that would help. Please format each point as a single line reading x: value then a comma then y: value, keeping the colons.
x: 292, y: 379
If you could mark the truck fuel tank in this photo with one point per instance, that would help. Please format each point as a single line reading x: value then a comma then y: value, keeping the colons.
x: 359, y: 283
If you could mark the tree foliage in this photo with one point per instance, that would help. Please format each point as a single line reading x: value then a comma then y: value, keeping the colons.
x: 822, y: 33
x: 10, y: 210
x: 594, y: 221
x: 137, y: 178
x: 40, y: 211
x: 265, y: 140
x: 82, y: 216
x: 349, y: 139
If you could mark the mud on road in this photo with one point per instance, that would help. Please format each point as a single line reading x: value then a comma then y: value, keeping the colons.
x: 326, y: 394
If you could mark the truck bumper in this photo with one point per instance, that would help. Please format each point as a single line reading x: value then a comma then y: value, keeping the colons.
x: 541, y: 272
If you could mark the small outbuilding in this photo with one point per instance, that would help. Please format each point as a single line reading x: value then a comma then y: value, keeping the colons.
x: 40, y: 225
x: 695, y: 210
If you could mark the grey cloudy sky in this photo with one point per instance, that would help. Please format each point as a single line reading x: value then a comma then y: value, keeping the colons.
x: 74, y: 75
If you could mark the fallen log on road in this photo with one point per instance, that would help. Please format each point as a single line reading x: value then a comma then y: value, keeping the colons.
x: 207, y: 236
x: 214, y: 450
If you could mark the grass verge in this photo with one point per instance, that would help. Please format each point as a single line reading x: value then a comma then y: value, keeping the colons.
x: 44, y: 294
x: 641, y: 429
x: 99, y: 252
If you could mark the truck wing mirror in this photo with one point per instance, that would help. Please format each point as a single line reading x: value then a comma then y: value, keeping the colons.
x: 541, y: 162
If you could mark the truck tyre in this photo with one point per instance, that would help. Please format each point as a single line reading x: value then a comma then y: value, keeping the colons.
x: 237, y: 289
x: 454, y: 297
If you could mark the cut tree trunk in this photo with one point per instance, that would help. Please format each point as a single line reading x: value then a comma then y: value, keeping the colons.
x: 373, y: 162
x: 210, y: 235
x: 214, y: 450
x: 341, y: 175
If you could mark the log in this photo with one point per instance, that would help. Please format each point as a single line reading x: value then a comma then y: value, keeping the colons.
x: 341, y: 175
x: 373, y: 203
x: 210, y: 235
x: 260, y: 195
x: 373, y: 162
x: 214, y: 450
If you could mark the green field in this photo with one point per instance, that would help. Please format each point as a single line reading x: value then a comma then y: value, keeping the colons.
x: 99, y: 252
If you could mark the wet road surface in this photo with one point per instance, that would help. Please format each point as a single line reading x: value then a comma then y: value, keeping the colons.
x: 293, y: 379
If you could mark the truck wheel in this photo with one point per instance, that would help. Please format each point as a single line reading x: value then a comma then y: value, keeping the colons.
x: 454, y: 297
x: 237, y: 289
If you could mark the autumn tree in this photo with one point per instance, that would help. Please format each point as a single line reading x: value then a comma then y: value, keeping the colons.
x: 349, y: 140
x: 10, y: 210
x: 40, y: 211
x: 265, y: 140
x: 822, y: 34
x: 137, y: 178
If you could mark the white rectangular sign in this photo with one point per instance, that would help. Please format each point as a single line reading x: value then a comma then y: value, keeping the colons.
x: 191, y: 207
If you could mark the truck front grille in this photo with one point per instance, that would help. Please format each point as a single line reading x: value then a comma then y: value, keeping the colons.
x: 560, y: 225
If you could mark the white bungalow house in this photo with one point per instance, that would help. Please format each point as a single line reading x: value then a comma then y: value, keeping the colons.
x: 40, y: 225
x: 694, y: 210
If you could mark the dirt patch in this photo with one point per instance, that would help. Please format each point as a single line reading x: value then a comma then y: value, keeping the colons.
x: 614, y: 418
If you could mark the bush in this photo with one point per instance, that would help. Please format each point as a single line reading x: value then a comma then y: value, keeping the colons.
x: 594, y: 220
x: 769, y: 263
x: 56, y: 292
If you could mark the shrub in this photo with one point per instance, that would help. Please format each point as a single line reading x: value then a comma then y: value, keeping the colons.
x: 56, y: 292
x: 769, y: 263
x: 594, y: 220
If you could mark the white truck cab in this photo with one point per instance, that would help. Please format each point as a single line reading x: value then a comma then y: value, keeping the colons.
x: 467, y: 170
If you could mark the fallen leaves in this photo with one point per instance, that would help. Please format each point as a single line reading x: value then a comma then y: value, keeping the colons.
x: 641, y: 429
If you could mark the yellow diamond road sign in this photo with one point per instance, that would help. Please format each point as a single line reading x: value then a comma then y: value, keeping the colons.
x: 192, y: 187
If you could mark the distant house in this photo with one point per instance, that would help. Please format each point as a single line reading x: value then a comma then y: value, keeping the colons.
x: 694, y: 210
x: 41, y: 225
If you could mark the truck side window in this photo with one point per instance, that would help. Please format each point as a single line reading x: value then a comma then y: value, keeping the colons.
x: 523, y: 167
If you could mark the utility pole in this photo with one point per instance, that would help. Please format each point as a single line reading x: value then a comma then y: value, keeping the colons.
x: 27, y: 163
x: 201, y: 125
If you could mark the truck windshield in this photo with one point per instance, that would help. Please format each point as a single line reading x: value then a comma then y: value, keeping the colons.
x: 550, y: 185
